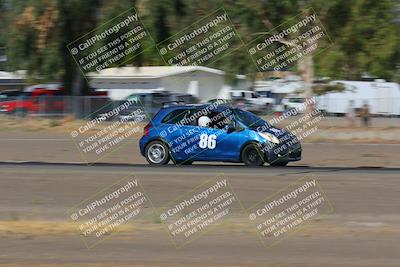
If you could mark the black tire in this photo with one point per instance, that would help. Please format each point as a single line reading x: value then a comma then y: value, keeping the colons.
x: 157, y: 153
x: 279, y: 163
x: 252, y: 156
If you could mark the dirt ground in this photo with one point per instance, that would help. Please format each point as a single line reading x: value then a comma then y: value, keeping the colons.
x: 35, y: 230
x: 363, y: 229
x: 58, y: 147
x: 328, y: 129
x: 333, y: 144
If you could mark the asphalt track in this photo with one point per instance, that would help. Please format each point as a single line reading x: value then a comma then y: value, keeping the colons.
x: 363, y: 229
x: 196, y: 168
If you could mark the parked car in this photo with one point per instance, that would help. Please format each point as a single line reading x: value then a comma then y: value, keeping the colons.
x: 266, y: 98
x: 9, y: 95
x: 184, y: 98
x: 152, y: 102
x: 293, y: 102
x: 40, y: 100
x: 253, y: 97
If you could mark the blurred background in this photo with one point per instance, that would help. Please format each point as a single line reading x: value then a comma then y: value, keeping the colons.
x: 39, y: 77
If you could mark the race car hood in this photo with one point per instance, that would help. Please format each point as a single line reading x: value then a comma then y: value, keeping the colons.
x: 281, y: 134
x: 269, y: 129
x: 275, y: 131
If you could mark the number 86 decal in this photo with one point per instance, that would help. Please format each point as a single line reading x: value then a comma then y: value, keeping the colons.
x: 208, y: 141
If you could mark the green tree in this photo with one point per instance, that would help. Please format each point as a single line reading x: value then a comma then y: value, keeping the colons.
x: 365, y: 33
x: 366, y: 40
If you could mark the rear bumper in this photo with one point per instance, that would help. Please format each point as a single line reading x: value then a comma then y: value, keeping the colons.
x: 142, y: 143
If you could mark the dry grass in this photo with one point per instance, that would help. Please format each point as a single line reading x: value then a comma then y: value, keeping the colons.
x: 60, y: 125
x: 383, y: 130
x: 233, y: 224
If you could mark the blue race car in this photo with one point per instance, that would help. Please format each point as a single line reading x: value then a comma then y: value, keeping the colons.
x: 215, y: 132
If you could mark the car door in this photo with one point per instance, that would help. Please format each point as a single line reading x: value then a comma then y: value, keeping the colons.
x: 190, y: 136
x: 217, y: 142
x: 221, y: 145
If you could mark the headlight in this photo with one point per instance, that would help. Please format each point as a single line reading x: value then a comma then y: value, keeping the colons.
x: 270, y: 137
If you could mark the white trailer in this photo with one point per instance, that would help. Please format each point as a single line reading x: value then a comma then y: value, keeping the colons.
x: 382, y: 97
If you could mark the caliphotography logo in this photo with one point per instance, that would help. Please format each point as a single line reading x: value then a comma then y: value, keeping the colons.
x: 199, y: 211
x: 285, y: 45
x: 200, y: 44
x: 110, y: 209
x: 109, y: 128
x: 111, y: 44
x: 288, y: 210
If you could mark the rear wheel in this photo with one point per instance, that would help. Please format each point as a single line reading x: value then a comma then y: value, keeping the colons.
x: 252, y: 156
x: 157, y: 153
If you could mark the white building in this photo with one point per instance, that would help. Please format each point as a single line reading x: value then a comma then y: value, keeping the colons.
x: 12, y: 80
x: 382, y: 97
x: 202, y: 82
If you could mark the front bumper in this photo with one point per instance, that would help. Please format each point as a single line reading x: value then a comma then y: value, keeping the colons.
x: 285, y: 152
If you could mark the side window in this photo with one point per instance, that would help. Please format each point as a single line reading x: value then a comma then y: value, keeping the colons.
x: 219, y: 120
x: 176, y: 116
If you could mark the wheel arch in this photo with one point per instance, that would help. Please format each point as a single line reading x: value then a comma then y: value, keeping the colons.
x: 250, y: 142
x: 167, y: 147
x: 156, y: 139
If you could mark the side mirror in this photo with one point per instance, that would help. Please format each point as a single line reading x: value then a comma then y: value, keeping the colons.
x: 230, y: 128
x: 239, y: 128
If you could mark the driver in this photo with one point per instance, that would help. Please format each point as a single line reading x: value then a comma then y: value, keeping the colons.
x: 204, y: 121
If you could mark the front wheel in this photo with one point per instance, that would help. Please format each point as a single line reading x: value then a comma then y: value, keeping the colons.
x: 252, y: 156
x: 157, y: 153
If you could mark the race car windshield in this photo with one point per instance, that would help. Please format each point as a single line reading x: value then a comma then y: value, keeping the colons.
x: 249, y: 119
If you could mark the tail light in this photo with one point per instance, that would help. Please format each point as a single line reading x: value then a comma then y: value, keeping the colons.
x: 146, y: 129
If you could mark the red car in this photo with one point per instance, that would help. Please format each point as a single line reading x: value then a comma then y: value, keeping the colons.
x: 37, y: 101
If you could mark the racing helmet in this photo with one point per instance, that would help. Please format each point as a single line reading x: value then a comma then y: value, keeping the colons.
x: 204, y: 121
